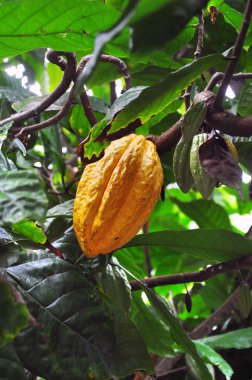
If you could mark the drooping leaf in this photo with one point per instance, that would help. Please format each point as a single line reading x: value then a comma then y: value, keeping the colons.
x: 210, y: 244
x: 244, y: 300
x: 155, y: 333
x: 162, y: 307
x: 21, y: 196
x: 220, y: 164
x: 244, y: 107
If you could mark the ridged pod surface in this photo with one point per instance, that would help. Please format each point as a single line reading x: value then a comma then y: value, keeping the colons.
x: 116, y: 195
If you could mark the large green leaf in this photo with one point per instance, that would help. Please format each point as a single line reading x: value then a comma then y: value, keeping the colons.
x: 11, y: 367
x: 70, y: 309
x: 209, y: 244
x: 244, y: 105
x: 21, y: 196
x: 13, y: 316
x: 239, y: 339
x: 154, y: 99
x: 206, y: 213
x: 67, y: 26
x: 155, y: 333
x: 156, y: 23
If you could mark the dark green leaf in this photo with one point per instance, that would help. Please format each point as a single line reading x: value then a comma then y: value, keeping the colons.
x: 21, y: 196
x: 11, y: 367
x: 64, y: 210
x: 209, y: 244
x: 244, y: 300
x: 245, y: 101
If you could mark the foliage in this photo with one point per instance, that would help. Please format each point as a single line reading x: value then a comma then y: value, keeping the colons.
x: 64, y: 316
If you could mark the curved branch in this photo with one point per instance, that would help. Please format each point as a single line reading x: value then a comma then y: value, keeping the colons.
x: 218, y: 76
x: 200, y: 276
x: 68, y: 77
x: 121, y: 65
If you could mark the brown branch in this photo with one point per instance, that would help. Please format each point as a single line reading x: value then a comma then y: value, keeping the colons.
x: 235, y: 56
x: 231, y: 124
x: 200, y: 276
x: 122, y: 67
x: 69, y: 67
x: 218, y: 76
x: 197, y: 54
x: 112, y: 92
x: 88, y: 109
x: 146, y: 252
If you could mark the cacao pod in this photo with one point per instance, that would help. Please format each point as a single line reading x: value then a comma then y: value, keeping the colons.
x: 116, y: 195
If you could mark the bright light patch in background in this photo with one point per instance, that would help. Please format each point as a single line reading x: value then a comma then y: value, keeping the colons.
x: 37, y: 164
x: 230, y: 93
x: 242, y: 222
x: 16, y: 71
x: 89, y: 92
x: 5, y: 60
x: 64, y: 149
x: 118, y: 87
x: 246, y: 178
x: 35, y: 88
x: 144, y: 298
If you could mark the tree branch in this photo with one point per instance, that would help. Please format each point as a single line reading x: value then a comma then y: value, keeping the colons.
x: 235, y: 56
x: 200, y: 276
x: 122, y: 67
x: 218, y: 76
x: 69, y: 68
x: 88, y: 109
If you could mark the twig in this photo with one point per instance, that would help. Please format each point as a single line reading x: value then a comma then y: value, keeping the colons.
x: 202, y: 275
x: 122, y: 67
x: 88, y: 109
x: 235, y: 56
x: 200, y: 41
x: 146, y: 252
x: 112, y: 92
x: 53, y: 249
x: 218, y: 76
x: 197, y: 54
x: 68, y: 77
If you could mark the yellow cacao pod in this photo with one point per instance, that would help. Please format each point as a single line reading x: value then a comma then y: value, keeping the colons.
x: 116, y: 195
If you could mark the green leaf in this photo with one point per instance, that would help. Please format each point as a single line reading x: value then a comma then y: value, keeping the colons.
x: 13, y: 316
x: 69, y: 246
x: 21, y: 196
x: 155, y: 333
x: 30, y: 230
x: 214, y: 358
x: 162, y: 307
x: 210, y: 244
x: 23, y: 26
x: 11, y: 367
x: 244, y: 300
x: 154, y: 99
x: 206, y: 213
x: 239, y: 339
x: 155, y: 24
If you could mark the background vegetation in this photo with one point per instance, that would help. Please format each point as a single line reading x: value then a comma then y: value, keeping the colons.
x: 63, y: 316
